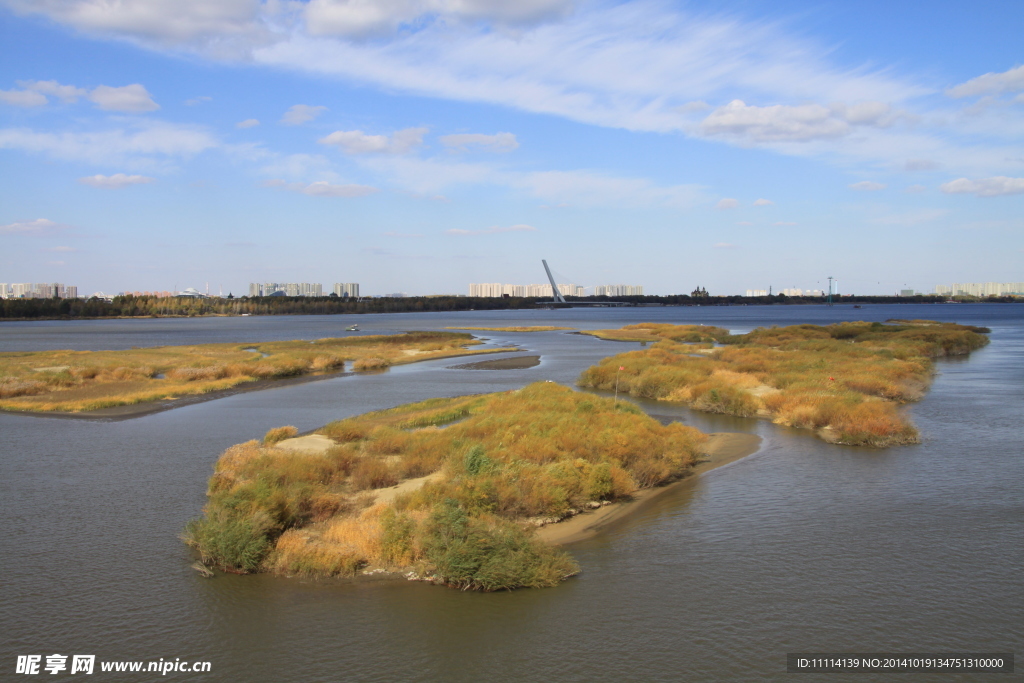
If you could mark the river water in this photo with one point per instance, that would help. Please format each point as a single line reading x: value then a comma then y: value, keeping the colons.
x: 801, y: 547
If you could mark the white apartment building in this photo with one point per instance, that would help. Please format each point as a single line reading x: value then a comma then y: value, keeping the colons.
x: 349, y: 289
x: 619, y: 290
x: 980, y: 288
x: 286, y: 288
x: 496, y: 289
x: 757, y: 292
x: 40, y: 290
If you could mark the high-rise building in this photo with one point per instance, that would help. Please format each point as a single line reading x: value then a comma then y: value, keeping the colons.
x: 286, y: 288
x: 980, y: 288
x: 618, y: 290
x: 347, y: 289
x: 496, y: 289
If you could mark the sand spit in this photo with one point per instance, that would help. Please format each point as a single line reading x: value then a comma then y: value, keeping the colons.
x: 722, y: 448
x: 513, y: 363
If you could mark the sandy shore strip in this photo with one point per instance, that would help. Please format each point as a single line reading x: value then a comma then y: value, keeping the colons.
x: 722, y: 448
x: 513, y: 363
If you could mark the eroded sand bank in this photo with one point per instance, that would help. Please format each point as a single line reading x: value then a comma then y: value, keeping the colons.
x: 722, y: 448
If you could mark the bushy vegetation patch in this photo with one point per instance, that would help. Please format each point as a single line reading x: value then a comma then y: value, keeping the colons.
x: 846, y: 380
x: 479, y: 483
x: 74, y: 381
x: 653, y: 332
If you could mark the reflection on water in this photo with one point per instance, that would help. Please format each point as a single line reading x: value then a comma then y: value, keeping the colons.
x: 803, y: 546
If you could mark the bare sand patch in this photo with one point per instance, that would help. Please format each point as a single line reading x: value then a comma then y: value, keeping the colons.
x: 389, y: 494
x: 312, y: 443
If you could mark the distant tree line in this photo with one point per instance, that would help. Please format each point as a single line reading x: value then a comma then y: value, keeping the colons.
x: 150, y: 306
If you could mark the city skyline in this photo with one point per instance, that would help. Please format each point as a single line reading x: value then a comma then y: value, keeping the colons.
x: 426, y: 145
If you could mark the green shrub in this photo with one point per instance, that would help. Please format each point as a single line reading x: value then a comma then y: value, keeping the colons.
x: 489, y: 554
x: 231, y: 543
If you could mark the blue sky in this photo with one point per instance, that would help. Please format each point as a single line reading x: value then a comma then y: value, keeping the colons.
x: 420, y: 145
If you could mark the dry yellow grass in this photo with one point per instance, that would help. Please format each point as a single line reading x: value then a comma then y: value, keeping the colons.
x: 515, y: 328
x: 74, y: 381
x: 654, y: 332
x: 542, y: 451
x: 846, y: 380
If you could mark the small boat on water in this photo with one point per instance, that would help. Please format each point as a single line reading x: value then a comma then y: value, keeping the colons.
x: 352, y: 328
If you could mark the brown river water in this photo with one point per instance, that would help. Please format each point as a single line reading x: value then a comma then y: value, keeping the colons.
x: 801, y: 547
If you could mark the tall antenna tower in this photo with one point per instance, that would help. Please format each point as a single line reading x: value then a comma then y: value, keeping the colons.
x: 830, y: 278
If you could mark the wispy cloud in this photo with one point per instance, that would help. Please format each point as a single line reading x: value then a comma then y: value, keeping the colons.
x: 727, y: 203
x: 358, y: 142
x: 1011, y: 80
x: 322, y: 188
x: 763, y: 202
x: 493, y: 230
x: 499, y: 142
x: 248, y: 123
x: 911, y: 217
x: 197, y: 100
x: 132, y: 99
x: 867, y: 186
x: 985, y: 187
x: 298, y: 114
x: 39, y: 226
x: 113, y: 182
x: 143, y: 143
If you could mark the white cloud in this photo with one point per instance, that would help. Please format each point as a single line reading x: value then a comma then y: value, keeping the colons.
x: 132, y: 98
x: 727, y: 203
x: 146, y: 143
x: 867, y: 186
x: 625, y: 65
x: 985, y: 187
x: 212, y: 26
x: 990, y: 84
x: 301, y: 113
x: 361, y: 18
x: 763, y: 202
x: 494, y: 229
x: 248, y: 123
x: 66, y: 93
x: 499, y: 142
x: 358, y: 142
x: 23, y: 98
x: 40, y: 226
x: 113, y: 182
x: 322, y: 188
x: 801, y: 123
x: 198, y: 100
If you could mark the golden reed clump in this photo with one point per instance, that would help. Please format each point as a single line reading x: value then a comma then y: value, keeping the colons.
x: 465, y: 489
x: 846, y: 381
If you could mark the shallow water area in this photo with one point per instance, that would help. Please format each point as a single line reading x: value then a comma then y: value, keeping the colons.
x: 804, y: 546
